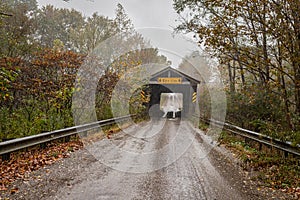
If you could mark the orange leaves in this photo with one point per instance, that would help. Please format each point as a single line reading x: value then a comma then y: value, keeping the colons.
x: 14, y: 190
x: 23, y: 163
x: 41, y: 77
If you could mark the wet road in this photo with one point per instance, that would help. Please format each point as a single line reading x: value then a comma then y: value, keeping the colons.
x: 156, y: 160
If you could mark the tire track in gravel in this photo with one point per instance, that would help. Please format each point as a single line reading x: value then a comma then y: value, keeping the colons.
x: 201, y: 172
x: 190, y: 177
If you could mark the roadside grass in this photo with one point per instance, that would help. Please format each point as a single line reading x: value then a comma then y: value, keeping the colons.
x: 105, y: 132
x: 34, y: 158
x: 203, y: 126
x: 271, y: 169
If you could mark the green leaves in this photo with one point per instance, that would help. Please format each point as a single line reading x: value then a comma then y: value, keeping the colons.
x: 6, y: 77
x: 257, y: 45
x: 36, y: 95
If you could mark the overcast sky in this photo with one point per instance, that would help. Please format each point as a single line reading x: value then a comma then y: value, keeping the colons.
x: 153, y: 18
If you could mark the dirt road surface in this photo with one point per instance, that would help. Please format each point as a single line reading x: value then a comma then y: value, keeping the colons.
x: 166, y: 159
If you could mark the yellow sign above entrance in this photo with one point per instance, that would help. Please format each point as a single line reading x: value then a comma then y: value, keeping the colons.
x: 172, y: 80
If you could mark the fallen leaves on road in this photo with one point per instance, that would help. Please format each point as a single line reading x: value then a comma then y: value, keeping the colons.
x: 271, y: 170
x: 22, y: 163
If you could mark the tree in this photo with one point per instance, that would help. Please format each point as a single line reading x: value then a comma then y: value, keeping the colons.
x: 17, y: 27
x: 37, y: 92
x: 93, y: 31
x: 256, y: 41
x: 196, y: 66
x: 54, y: 23
x: 122, y: 21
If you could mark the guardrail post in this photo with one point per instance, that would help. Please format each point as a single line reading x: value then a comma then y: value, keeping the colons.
x: 247, y: 140
x: 286, y: 154
x: 43, y: 145
x: 260, y: 146
x: 6, y: 156
x: 67, y: 139
x: 83, y: 134
x: 7, y: 147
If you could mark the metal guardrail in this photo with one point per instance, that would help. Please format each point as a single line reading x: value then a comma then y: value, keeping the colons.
x: 286, y: 147
x: 10, y: 146
x: 21, y: 143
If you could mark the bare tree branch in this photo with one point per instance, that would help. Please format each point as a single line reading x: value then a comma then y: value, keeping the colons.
x: 6, y: 14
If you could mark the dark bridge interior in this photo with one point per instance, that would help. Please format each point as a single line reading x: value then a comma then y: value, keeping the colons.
x: 170, y: 80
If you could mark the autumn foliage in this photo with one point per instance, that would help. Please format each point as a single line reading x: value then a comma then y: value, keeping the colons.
x: 38, y: 98
x: 257, y: 45
x: 40, y: 55
x: 23, y: 163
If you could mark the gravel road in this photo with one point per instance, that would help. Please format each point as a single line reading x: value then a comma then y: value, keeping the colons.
x: 166, y: 159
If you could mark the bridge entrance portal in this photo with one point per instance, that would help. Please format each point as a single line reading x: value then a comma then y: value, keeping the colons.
x: 171, y: 82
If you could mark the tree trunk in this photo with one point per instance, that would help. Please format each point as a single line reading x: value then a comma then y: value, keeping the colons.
x: 231, y: 75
